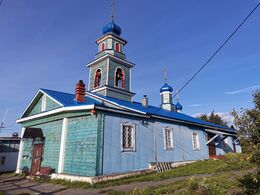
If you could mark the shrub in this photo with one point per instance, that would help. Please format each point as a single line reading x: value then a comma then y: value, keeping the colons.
x: 234, y: 161
x: 210, y: 188
x: 193, y: 185
x: 255, y: 155
x: 250, y: 183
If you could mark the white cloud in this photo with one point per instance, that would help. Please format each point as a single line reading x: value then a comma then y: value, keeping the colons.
x: 244, y: 90
x: 194, y: 105
x: 226, y: 116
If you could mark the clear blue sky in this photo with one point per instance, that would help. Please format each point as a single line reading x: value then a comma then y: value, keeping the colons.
x: 46, y: 44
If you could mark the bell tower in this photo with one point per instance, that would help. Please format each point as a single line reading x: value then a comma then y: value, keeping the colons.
x: 110, y: 72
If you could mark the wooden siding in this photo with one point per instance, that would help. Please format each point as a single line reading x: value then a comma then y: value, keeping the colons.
x: 116, y: 161
x: 52, y: 134
x: 50, y: 105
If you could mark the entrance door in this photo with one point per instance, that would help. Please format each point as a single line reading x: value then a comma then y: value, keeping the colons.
x: 211, y: 145
x: 37, y: 158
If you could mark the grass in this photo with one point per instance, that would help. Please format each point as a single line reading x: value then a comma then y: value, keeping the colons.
x: 229, y: 163
x: 6, y: 174
x: 217, y: 184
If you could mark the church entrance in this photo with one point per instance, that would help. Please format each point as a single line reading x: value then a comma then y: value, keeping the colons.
x: 37, y: 158
x: 211, y: 145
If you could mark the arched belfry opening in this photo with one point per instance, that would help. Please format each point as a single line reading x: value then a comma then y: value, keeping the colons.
x: 120, y: 78
x: 97, y: 82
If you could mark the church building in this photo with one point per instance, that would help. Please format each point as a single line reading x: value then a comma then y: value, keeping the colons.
x: 101, y: 130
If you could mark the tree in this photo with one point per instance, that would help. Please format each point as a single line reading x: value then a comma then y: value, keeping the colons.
x: 248, y: 122
x: 213, y: 118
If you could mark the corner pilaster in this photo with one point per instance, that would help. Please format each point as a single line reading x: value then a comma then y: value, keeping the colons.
x: 63, y: 145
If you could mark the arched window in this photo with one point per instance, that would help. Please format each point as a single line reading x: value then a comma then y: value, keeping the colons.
x: 103, y: 46
x: 97, y: 81
x: 120, y: 78
x: 117, y: 47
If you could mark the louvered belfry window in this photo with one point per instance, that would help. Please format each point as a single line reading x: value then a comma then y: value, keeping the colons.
x: 128, y: 137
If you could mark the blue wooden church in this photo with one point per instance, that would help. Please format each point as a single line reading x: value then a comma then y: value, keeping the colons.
x: 102, y: 131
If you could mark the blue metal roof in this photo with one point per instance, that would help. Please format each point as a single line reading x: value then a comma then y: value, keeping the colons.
x: 68, y: 100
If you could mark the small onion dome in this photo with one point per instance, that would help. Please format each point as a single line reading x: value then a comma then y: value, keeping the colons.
x: 178, y: 106
x: 111, y: 27
x: 166, y: 87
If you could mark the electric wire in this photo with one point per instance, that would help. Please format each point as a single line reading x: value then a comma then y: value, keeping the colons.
x: 217, y: 51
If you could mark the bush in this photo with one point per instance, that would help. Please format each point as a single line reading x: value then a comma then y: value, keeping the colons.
x: 234, y: 161
x: 255, y: 155
x: 193, y: 185
x: 250, y: 183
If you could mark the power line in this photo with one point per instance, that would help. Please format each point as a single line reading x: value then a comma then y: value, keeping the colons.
x: 214, y: 54
x: 217, y: 51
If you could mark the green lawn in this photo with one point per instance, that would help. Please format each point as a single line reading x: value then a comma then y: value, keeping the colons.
x: 229, y: 163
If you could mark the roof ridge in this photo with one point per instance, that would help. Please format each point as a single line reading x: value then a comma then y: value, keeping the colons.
x: 56, y: 91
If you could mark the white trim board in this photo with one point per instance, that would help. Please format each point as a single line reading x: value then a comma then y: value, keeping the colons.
x: 58, y: 110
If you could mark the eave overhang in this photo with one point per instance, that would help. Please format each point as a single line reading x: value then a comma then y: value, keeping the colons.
x: 56, y: 111
x: 194, y: 124
x: 109, y: 56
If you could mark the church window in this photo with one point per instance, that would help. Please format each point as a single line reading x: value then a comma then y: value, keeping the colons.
x: 43, y: 106
x: 117, y: 47
x: 97, y: 80
x: 128, y: 137
x: 195, y: 140
x: 103, y: 46
x: 120, y: 78
x: 168, y: 138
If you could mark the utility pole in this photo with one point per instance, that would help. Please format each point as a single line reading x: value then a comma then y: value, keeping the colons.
x: 2, y: 123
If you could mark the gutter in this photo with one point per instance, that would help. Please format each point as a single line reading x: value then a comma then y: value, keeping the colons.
x: 191, y: 123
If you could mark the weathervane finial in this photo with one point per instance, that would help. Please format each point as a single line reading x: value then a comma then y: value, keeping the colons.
x: 112, y: 10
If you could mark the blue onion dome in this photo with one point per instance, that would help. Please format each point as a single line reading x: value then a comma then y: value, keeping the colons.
x: 178, y: 106
x: 166, y: 87
x: 111, y: 27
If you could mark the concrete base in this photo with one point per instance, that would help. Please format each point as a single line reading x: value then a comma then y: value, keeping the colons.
x: 72, y: 177
x: 96, y: 179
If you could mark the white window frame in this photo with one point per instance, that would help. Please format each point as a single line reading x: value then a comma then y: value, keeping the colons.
x: 44, y: 101
x: 171, y: 145
x: 197, y: 146
x: 132, y: 148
